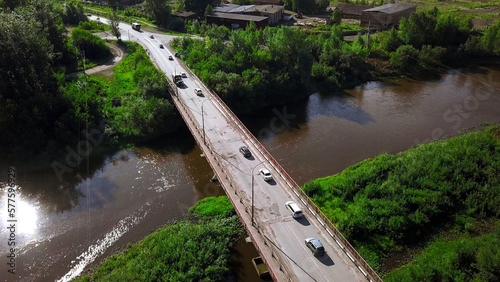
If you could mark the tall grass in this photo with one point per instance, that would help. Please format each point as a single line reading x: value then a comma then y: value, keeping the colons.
x: 395, y: 200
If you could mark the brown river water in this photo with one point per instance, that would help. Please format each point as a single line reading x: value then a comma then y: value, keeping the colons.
x: 66, y: 227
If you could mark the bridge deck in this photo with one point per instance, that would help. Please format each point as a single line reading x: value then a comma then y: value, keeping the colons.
x: 278, y: 237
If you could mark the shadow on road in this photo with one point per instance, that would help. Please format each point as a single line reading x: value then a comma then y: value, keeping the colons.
x: 303, y: 220
x: 272, y: 182
x: 326, y: 260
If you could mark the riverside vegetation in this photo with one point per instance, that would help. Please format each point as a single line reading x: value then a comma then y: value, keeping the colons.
x: 254, y: 68
x: 197, y: 249
x: 43, y: 112
x: 395, y: 202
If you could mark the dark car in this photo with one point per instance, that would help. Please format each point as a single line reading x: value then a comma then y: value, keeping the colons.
x: 315, y: 246
x: 161, y: 46
x: 245, y: 151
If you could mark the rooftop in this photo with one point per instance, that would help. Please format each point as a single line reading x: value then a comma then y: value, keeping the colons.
x: 352, y: 8
x: 265, y: 8
x: 238, y: 17
x: 391, y: 8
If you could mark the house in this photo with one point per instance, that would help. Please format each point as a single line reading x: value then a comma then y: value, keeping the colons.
x: 386, y: 16
x: 351, y: 11
x: 273, y: 12
x: 235, y: 21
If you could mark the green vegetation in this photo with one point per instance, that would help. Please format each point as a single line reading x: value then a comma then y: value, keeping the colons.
x: 182, y: 251
x: 94, y: 47
x: 42, y: 113
x: 392, y: 201
x: 211, y: 207
x: 134, y: 100
x: 254, y: 68
x: 149, y: 14
x: 94, y: 26
x: 464, y: 259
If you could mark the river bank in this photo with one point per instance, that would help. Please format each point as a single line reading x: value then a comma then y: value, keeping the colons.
x: 395, y: 202
x: 195, y: 249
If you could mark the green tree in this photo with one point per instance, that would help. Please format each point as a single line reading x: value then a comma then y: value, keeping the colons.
x: 115, y: 22
x: 405, y: 58
x: 73, y: 13
x: 159, y: 10
x: 209, y: 10
x: 93, y: 46
x: 337, y: 17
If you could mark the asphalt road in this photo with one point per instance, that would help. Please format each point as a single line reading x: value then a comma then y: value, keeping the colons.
x: 274, y: 220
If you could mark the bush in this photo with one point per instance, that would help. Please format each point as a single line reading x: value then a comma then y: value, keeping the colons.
x: 94, y: 47
x: 405, y: 58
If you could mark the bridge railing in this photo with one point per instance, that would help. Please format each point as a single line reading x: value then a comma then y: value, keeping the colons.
x: 227, y: 182
x: 343, y: 243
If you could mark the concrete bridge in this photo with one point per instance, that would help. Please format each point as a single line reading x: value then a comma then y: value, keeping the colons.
x: 278, y: 237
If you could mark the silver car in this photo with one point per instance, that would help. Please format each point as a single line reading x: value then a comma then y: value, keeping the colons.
x: 294, y: 209
x: 315, y: 246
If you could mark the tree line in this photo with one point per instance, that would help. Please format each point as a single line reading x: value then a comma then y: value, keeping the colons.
x: 253, y: 68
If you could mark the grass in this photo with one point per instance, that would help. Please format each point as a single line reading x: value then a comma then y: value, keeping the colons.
x: 182, y: 251
x: 464, y: 259
x: 394, y: 201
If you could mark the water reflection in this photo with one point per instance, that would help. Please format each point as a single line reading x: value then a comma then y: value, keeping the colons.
x: 26, y: 213
x: 339, y: 105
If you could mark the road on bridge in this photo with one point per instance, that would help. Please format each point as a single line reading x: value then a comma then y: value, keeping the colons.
x: 209, y: 122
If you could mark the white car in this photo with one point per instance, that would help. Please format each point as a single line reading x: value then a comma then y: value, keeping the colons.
x: 198, y: 92
x: 294, y: 209
x: 266, y: 174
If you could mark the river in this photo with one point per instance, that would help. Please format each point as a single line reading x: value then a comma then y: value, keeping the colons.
x: 67, y: 226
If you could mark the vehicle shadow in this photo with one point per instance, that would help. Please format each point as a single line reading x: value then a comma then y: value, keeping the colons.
x: 251, y: 158
x: 272, y: 182
x: 303, y: 220
x: 326, y: 260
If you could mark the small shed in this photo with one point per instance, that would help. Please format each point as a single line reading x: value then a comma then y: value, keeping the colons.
x: 351, y: 11
x: 386, y: 16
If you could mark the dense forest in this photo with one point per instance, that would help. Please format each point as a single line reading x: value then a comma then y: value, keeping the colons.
x: 190, y: 250
x: 392, y: 202
x: 43, y: 111
x: 254, y: 68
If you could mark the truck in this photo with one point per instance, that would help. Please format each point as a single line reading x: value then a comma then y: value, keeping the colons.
x: 177, y: 78
x: 136, y: 26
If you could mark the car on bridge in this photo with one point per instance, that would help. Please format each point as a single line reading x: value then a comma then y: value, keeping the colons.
x: 266, y: 174
x: 245, y: 151
x: 315, y: 246
x: 170, y: 58
x: 198, y: 92
x: 294, y: 209
x: 161, y: 46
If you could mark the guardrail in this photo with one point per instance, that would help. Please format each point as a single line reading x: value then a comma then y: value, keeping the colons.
x: 343, y: 243
x: 349, y: 250
x: 227, y: 183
